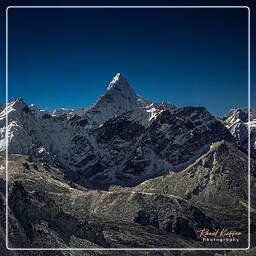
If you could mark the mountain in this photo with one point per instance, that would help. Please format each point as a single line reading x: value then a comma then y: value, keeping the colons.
x: 90, y: 218
x: 219, y: 176
x: 124, y: 172
x: 237, y: 121
x: 118, y: 98
x: 122, y: 139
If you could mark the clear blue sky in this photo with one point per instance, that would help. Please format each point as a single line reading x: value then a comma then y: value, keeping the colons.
x: 66, y: 57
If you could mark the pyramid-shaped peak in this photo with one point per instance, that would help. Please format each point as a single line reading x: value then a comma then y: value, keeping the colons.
x: 119, y: 77
x: 118, y: 80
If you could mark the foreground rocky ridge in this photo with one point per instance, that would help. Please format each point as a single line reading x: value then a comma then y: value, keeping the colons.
x: 217, y: 181
x: 46, y: 209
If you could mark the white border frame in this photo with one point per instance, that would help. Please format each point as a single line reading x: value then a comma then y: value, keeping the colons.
x: 133, y: 249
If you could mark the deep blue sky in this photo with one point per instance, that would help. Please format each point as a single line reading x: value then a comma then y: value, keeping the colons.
x: 66, y: 57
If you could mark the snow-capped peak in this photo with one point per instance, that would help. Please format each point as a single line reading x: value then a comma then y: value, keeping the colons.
x: 118, y: 80
x: 239, y: 124
x: 119, y: 90
x: 118, y: 98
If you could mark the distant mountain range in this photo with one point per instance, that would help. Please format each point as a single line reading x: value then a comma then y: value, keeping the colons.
x: 160, y: 169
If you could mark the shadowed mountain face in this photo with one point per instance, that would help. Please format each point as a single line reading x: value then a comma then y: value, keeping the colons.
x: 125, y: 172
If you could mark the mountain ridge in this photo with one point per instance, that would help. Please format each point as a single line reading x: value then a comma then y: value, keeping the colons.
x: 126, y: 146
x: 121, y: 139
